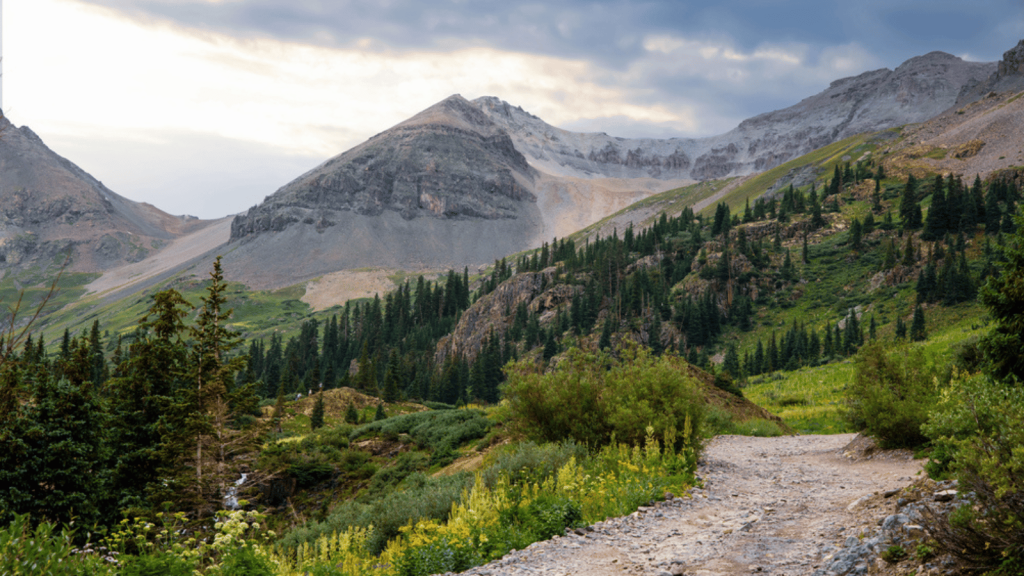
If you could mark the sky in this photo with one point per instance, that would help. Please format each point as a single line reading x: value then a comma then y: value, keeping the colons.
x: 204, y: 107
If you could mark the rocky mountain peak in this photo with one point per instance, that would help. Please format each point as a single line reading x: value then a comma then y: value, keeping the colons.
x: 1007, y: 77
x: 49, y: 205
x: 1012, y: 63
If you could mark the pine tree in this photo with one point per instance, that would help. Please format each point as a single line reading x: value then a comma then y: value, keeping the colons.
x: 316, y: 419
x: 654, y: 336
x: 550, y: 345
x: 917, y: 328
x: 731, y: 363
x: 910, y: 209
x: 1003, y: 297
x: 53, y: 449
x: 901, y: 329
x: 351, y: 414
x: 380, y: 414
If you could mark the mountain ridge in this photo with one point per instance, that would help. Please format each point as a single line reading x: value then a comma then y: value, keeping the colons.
x: 49, y: 205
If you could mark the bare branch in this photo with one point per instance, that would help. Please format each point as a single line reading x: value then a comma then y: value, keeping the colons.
x: 13, y: 336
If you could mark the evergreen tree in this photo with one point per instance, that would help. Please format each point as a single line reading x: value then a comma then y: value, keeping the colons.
x: 351, y: 414
x: 550, y: 345
x: 901, y: 329
x: 1004, y: 298
x: 154, y: 369
x: 52, y: 449
x: 380, y: 414
x: 993, y: 214
x: 201, y: 442
x: 917, y: 328
x: 654, y: 336
x: 908, y: 252
x: 316, y: 419
x: 731, y: 363
x: 910, y: 209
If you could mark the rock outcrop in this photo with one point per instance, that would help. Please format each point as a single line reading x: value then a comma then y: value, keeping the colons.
x: 449, y: 161
x: 1008, y: 77
x: 495, y: 311
x: 445, y: 189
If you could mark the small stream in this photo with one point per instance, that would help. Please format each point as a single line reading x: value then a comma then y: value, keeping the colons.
x: 231, y: 498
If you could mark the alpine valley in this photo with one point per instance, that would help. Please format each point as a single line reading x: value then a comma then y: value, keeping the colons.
x: 576, y: 290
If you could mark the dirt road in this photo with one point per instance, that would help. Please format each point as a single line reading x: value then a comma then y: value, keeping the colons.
x: 777, y: 506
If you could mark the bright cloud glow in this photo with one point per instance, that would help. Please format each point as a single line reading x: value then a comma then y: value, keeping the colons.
x: 96, y: 81
x: 104, y: 71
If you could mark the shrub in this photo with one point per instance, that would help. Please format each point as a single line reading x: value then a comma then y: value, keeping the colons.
x: 244, y: 561
x: 433, y: 429
x: 27, y: 551
x: 425, y: 498
x: 308, y: 474
x: 528, y: 462
x: 893, y: 554
x: 891, y: 394
x: 980, y: 422
x: 158, y: 564
x: 756, y: 427
x: 387, y: 478
x: 590, y: 398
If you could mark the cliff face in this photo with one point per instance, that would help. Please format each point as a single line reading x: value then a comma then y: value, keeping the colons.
x: 445, y: 189
x: 450, y: 162
x: 49, y: 205
x: 1008, y: 77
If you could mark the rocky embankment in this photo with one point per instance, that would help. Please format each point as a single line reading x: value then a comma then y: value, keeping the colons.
x: 792, y: 505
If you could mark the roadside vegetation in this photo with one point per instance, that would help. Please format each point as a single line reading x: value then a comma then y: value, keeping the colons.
x: 247, y: 435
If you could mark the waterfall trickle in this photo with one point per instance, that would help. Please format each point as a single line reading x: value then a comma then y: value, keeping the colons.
x: 231, y: 498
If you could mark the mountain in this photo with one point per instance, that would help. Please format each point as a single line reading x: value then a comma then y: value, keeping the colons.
x: 49, y: 205
x: 917, y: 90
x: 443, y: 189
x: 1007, y: 77
x: 463, y: 183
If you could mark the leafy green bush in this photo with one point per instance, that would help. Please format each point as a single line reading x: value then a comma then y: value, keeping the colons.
x: 43, y: 550
x: 244, y: 561
x: 388, y: 478
x: 309, y: 474
x: 425, y: 498
x: 756, y: 427
x: 893, y: 554
x: 591, y: 398
x: 980, y: 422
x: 433, y: 429
x: 892, y: 391
x: 157, y: 564
x: 720, y: 421
x: 528, y: 462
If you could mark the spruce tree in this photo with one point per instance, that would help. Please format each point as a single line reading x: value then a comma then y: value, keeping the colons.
x: 316, y: 419
x: 901, y: 329
x: 1003, y: 295
x: 917, y: 328
x: 351, y: 414
x: 910, y: 209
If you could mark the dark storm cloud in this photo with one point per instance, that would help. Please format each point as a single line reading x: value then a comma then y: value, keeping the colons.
x: 830, y: 39
x: 609, y: 32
